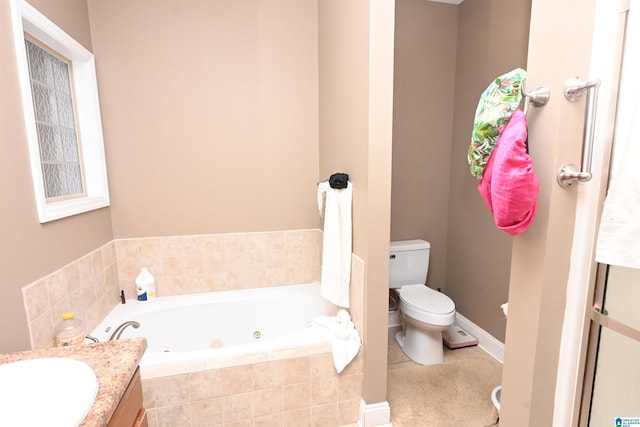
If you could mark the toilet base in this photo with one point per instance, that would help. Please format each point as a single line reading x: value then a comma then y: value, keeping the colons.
x: 421, y: 346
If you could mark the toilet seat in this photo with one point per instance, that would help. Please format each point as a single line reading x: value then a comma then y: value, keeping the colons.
x: 423, y: 298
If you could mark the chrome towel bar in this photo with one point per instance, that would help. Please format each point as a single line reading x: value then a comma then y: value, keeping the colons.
x: 574, y: 89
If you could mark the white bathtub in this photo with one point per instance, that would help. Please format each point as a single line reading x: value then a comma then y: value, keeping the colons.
x: 188, y: 333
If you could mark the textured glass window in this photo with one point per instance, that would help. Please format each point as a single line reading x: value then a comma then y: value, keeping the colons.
x: 55, y: 123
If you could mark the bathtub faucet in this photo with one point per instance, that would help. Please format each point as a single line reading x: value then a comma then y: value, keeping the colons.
x: 116, y: 334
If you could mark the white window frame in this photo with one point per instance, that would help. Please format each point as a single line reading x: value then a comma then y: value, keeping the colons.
x: 26, y: 19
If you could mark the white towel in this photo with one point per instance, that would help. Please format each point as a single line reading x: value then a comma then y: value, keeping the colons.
x: 345, y: 340
x: 335, y: 275
x: 619, y: 233
x: 505, y: 309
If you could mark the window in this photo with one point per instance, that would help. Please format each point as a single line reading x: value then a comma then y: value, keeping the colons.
x: 62, y: 117
x: 53, y: 108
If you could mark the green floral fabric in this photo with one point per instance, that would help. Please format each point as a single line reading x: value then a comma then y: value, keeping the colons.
x: 497, y: 104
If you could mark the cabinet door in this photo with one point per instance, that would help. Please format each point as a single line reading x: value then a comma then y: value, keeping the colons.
x: 130, y: 410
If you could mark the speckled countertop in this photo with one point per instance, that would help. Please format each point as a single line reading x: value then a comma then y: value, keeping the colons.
x: 114, y: 363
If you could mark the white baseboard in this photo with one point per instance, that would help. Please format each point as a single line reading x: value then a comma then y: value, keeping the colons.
x: 486, y: 341
x: 375, y: 414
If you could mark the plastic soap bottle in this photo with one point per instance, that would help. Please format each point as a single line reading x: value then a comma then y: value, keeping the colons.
x: 70, y: 331
x: 146, y: 286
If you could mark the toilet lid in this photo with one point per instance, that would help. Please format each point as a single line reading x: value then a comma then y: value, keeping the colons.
x: 426, y: 299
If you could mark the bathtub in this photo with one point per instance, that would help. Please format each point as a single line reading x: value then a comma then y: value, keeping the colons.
x: 189, y: 333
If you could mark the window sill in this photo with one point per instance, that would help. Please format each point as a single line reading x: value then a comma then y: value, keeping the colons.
x: 65, y: 208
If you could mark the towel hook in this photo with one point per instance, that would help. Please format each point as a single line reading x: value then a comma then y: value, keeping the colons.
x: 538, y: 97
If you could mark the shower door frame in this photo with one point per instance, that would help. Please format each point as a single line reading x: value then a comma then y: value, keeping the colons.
x: 598, y: 318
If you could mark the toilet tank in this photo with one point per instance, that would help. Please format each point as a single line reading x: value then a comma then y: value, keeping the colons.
x: 408, y: 262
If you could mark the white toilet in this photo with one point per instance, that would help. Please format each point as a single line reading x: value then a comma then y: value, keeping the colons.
x: 425, y: 312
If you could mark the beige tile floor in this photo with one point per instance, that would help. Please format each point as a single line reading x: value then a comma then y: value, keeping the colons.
x: 398, y: 360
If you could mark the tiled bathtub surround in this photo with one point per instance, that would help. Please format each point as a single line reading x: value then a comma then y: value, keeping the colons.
x: 88, y: 287
x: 217, y: 262
x: 295, y: 387
x: 284, y: 390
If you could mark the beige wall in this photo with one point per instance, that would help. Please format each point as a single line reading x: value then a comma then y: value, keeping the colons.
x: 28, y: 249
x: 424, y: 78
x: 356, y: 57
x: 210, y: 112
x: 479, y: 254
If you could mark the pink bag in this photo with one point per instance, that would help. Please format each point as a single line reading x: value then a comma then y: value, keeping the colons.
x: 509, y: 186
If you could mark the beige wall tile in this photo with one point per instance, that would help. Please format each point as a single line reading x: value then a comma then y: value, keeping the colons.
x: 172, y: 266
x: 296, y: 370
x: 267, y: 375
x: 171, y: 246
x: 275, y: 276
x: 89, y: 292
x: 129, y: 268
x: 193, y: 261
x: 36, y: 299
x: 56, y: 288
x: 322, y: 366
x: 348, y: 411
x: 152, y: 417
x: 268, y: 401
x: 85, y: 269
x: 42, y: 331
x: 292, y: 240
x: 204, y: 263
x: 206, y: 413
x: 241, y: 423
x: 113, y: 287
x: 172, y: 416
x: 166, y: 391
x: 100, y: 283
x: 61, y: 308
x: 324, y: 391
x: 275, y: 420
x: 299, y: 418
x: 150, y: 248
x: 109, y: 254
x: 93, y: 315
x: 80, y: 287
x: 76, y: 304
x: 296, y: 396
x: 205, y: 384
x: 96, y: 261
x: 238, y: 407
x: 237, y: 379
x: 72, y: 277
x: 324, y: 415
x: 349, y: 387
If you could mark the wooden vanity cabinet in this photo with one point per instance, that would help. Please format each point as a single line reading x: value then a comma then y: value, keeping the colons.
x: 130, y: 412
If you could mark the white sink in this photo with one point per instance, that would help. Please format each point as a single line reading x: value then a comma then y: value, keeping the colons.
x: 55, y: 392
